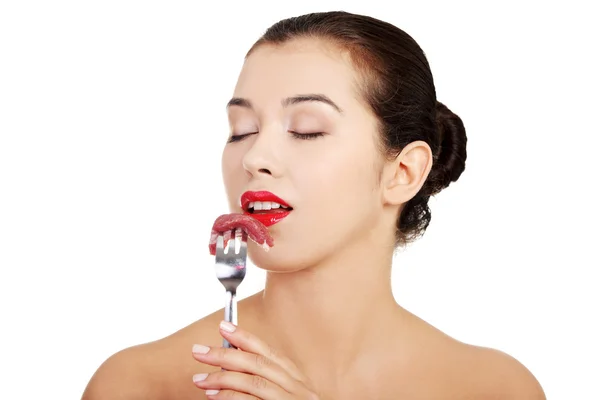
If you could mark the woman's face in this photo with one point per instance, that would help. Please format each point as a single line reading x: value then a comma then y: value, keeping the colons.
x: 283, y: 95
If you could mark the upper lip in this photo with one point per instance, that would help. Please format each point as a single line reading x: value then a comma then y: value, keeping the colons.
x: 261, y: 195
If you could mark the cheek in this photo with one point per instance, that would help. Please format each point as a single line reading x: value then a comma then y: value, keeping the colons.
x: 343, y: 183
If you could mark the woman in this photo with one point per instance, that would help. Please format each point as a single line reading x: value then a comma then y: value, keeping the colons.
x: 336, y: 114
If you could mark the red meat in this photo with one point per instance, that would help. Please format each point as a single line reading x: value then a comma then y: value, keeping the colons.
x: 224, y: 224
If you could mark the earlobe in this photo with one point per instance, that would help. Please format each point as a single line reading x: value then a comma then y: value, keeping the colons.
x: 406, y: 174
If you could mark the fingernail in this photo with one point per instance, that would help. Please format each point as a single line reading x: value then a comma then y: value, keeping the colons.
x: 227, y: 326
x: 199, y: 377
x: 199, y: 349
x: 211, y: 392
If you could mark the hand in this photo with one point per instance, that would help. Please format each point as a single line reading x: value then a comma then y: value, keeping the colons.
x: 252, y: 371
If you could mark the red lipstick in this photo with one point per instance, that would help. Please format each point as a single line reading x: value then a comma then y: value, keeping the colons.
x: 266, y: 218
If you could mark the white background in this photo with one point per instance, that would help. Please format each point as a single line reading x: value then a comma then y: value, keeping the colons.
x: 112, y: 120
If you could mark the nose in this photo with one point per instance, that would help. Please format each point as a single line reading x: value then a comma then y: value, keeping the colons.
x: 262, y: 157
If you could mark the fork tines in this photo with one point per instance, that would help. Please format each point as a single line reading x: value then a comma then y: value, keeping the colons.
x: 232, y: 242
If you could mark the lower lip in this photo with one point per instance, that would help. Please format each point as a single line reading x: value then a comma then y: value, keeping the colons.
x: 269, y: 219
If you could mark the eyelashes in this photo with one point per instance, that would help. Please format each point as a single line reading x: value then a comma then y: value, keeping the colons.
x: 296, y: 135
x: 307, y: 136
x: 239, y: 138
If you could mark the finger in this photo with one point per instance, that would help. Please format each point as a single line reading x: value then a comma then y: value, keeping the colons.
x: 249, y: 363
x: 238, y: 382
x: 246, y: 341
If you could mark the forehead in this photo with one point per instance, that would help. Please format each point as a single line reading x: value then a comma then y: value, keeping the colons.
x: 273, y: 72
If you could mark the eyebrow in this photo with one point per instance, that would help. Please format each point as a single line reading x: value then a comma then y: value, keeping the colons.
x: 241, y: 102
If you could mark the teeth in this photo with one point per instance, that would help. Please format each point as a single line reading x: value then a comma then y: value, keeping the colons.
x: 264, y: 205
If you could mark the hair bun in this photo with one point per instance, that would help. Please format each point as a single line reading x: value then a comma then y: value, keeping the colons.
x: 449, y: 162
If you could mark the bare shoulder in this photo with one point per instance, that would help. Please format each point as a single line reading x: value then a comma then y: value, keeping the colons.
x: 453, y: 369
x: 502, y: 376
x: 157, y: 370
x: 124, y: 375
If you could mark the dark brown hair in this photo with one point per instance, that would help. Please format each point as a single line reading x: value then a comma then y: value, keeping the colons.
x: 399, y: 89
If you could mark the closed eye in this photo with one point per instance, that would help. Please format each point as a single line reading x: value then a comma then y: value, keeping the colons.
x: 307, y: 136
x: 237, y: 138
x: 297, y: 135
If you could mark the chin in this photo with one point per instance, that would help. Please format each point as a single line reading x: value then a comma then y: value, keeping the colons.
x: 279, y: 258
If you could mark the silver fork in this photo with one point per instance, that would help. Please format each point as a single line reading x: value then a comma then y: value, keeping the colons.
x: 230, y: 266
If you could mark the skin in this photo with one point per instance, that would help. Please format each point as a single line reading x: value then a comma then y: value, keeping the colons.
x: 331, y: 255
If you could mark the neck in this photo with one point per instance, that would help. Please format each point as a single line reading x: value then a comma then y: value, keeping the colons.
x: 323, y: 317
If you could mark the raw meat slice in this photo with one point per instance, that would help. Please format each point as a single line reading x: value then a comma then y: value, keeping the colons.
x: 227, y: 222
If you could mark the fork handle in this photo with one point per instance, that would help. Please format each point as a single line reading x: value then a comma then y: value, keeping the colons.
x: 230, y: 313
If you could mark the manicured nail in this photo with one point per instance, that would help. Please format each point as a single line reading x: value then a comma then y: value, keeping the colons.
x: 227, y: 326
x: 199, y: 349
x: 212, y: 392
x: 199, y: 377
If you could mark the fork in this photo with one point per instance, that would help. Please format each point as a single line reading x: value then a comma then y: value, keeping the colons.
x: 230, y: 267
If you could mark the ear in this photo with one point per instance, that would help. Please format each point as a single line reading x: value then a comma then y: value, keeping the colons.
x: 405, y: 175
